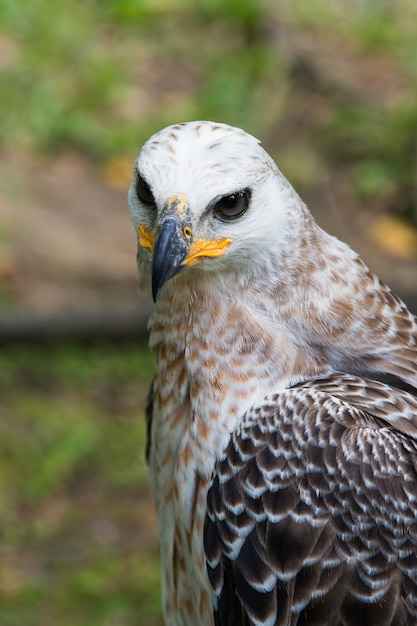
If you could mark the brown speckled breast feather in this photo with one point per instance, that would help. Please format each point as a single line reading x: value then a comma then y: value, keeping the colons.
x: 282, y: 421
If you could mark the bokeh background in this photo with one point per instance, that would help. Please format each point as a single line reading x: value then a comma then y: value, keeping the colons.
x: 331, y: 89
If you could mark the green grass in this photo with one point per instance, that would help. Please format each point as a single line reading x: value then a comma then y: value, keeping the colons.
x: 78, y: 543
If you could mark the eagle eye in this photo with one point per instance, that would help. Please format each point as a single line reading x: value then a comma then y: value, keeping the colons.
x: 143, y: 191
x: 232, y: 206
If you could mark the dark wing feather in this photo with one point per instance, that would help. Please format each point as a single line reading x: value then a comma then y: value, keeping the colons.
x: 312, y: 510
x: 148, y: 418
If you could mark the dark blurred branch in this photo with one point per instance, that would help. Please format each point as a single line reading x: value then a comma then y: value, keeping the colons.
x: 112, y: 324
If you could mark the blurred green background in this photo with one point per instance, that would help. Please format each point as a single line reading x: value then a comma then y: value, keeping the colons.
x: 329, y: 87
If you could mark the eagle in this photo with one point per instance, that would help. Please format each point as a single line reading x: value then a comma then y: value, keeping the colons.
x: 282, y: 416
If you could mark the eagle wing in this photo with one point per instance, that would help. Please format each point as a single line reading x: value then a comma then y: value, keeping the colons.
x: 148, y: 420
x: 312, y: 509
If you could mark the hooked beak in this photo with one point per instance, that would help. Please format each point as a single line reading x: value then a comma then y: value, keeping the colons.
x: 174, y: 247
x: 169, y: 253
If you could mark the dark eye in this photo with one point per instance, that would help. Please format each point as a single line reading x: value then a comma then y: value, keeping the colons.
x: 144, y: 192
x: 230, y: 207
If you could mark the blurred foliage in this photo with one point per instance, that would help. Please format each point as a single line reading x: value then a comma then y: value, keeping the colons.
x: 73, y: 486
x: 101, y: 76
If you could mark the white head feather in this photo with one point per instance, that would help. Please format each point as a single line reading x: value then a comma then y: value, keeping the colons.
x: 206, y: 161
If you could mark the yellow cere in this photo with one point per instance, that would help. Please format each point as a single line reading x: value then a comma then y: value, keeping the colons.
x: 179, y: 206
x: 145, y: 237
